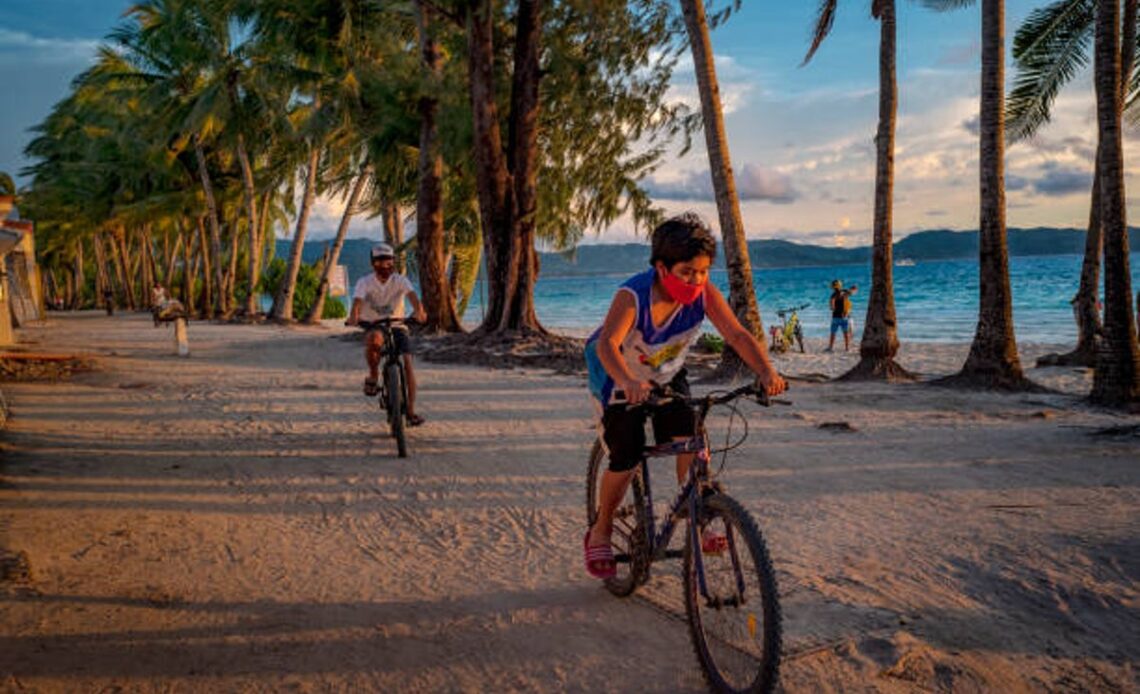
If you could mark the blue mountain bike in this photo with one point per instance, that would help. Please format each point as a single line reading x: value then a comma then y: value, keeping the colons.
x: 730, y: 590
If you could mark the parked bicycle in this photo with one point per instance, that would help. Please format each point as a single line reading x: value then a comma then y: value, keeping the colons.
x: 789, y: 330
x: 730, y: 588
x: 393, y: 393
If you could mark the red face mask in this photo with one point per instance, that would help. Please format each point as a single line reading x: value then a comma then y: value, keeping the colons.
x: 680, y: 290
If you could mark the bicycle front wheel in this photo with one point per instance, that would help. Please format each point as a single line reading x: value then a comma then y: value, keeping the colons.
x: 629, y: 535
x: 394, y: 386
x: 734, y: 613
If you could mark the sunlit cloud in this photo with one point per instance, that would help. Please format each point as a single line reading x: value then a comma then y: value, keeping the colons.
x: 19, y: 48
x: 753, y: 182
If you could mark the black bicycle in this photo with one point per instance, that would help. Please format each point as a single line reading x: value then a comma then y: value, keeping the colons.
x: 730, y: 588
x: 393, y: 394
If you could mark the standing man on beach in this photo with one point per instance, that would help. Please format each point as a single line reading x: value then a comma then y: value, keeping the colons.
x: 381, y: 295
x: 841, y: 313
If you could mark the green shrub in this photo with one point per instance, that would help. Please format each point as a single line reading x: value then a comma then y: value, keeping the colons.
x: 711, y: 343
x: 305, y: 293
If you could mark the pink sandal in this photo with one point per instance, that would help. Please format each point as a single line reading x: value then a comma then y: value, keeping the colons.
x: 599, y: 559
x: 713, y: 542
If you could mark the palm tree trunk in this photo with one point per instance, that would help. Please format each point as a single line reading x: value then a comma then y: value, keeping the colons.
x: 880, y: 341
x: 491, y: 174
x: 318, y: 307
x: 251, y: 201
x: 522, y: 162
x: 207, y: 275
x: 437, y: 297
x: 1116, y: 381
x: 211, y: 215
x: 742, y: 295
x: 392, y: 224
x: 102, y: 279
x: 76, y: 299
x: 993, y: 361
x: 283, y: 303
x: 120, y: 255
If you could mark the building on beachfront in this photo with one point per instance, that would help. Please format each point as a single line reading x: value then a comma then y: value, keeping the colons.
x: 21, y: 294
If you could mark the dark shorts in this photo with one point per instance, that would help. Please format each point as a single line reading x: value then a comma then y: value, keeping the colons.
x: 840, y: 324
x: 403, y: 340
x: 624, y: 429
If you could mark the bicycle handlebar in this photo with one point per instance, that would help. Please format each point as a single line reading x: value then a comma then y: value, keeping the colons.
x: 782, y: 311
x: 663, y: 395
x: 382, y: 322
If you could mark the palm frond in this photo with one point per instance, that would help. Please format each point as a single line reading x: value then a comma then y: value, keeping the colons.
x: 1049, y: 48
x: 824, y: 20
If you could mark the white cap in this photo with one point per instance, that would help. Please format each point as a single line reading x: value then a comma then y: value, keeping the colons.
x: 382, y: 250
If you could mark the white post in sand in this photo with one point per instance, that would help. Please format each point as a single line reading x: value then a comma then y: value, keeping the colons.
x: 181, y: 338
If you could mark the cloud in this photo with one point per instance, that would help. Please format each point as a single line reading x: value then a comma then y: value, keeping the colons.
x: 735, y: 84
x: 752, y: 183
x: 1014, y: 182
x: 17, y: 47
x: 1058, y: 182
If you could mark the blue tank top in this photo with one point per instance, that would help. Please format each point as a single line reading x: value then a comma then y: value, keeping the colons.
x: 652, y: 353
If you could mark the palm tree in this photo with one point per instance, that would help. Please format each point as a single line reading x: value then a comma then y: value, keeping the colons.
x: 993, y: 361
x: 1049, y: 47
x: 1117, y: 377
x: 880, y: 342
x: 742, y: 295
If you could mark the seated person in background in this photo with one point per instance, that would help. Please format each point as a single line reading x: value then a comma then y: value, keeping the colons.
x: 381, y: 295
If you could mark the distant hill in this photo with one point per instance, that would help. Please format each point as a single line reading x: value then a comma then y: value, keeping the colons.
x: 610, y: 259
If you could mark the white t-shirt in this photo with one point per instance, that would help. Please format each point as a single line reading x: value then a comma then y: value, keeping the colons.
x: 381, y: 299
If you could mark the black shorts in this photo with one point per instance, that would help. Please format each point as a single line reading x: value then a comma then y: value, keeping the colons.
x: 624, y: 429
x: 402, y: 339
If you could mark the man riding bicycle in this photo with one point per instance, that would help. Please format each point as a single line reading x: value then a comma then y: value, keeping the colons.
x: 381, y: 295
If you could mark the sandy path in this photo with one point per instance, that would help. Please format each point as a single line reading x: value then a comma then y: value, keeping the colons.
x: 236, y: 521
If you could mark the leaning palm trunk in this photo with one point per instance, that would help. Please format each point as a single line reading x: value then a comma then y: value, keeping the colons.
x: 1116, y: 381
x: 1085, y: 302
x: 254, y: 227
x: 437, y: 296
x: 741, y: 294
x: 283, y: 302
x: 993, y: 361
x: 393, y: 226
x: 318, y: 307
x: 880, y: 341
x: 215, y: 248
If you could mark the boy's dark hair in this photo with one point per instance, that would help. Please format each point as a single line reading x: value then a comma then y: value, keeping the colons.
x: 682, y: 238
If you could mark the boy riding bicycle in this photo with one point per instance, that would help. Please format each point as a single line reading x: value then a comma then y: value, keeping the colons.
x: 654, y: 317
x: 381, y: 295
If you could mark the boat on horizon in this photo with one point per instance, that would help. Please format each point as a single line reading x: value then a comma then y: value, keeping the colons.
x: 904, y: 262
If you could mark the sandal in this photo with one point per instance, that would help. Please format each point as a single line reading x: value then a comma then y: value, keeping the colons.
x: 415, y: 420
x: 599, y: 559
x: 371, y: 389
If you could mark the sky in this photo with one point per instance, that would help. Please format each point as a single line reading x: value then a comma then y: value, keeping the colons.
x: 800, y: 136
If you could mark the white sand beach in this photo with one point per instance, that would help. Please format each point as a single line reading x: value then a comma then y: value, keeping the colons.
x: 238, y: 521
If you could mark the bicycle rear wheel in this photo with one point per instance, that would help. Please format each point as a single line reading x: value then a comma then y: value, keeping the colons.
x: 735, y: 627
x: 394, y: 389
x: 629, y: 535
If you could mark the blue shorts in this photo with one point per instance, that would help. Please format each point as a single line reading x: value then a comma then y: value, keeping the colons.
x: 838, y: 324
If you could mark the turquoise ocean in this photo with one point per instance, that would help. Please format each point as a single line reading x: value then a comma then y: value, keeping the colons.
x: 935, y: 301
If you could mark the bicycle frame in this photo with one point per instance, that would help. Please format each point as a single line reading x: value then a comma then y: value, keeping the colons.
x: 689, y: 495
x: 385, y: 328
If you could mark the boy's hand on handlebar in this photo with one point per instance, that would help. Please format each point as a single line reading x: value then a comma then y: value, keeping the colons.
x: 772, y: 382
x: 636, y: 392
x: 420, y: 316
